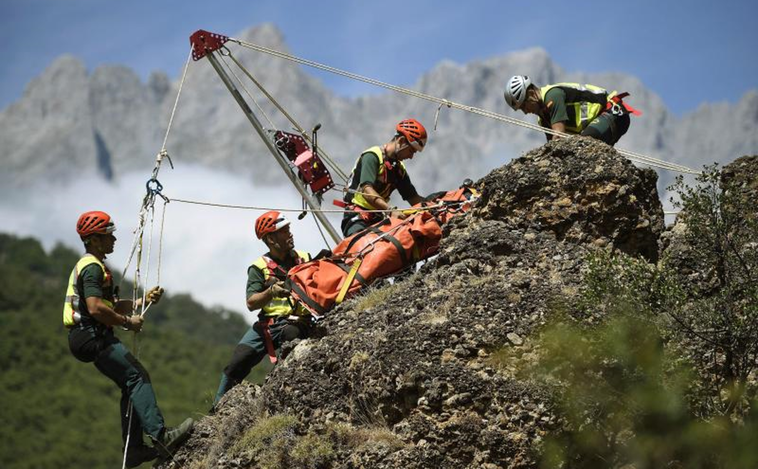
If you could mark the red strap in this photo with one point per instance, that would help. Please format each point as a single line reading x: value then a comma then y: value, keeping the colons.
x: 619, y: 99
x: 339, y: 203
x: 267, y: 340
x: 631, y: 109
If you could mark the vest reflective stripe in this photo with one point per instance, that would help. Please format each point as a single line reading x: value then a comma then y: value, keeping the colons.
x: 359, y: 199
x: 71, y: 314
x: 277, y: 306
x: 584, y: 111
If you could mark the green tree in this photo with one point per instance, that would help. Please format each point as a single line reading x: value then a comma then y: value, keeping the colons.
x: 721, y: 315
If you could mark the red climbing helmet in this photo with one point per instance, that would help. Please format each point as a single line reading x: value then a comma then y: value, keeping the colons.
x: 269, y: 222
x: 414, y: 132
x: 94, y: 223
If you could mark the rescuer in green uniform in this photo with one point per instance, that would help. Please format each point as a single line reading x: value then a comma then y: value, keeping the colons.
x: 277, y: 322
x: 377, y: 173
x: 89, y: 313
x: 572, y: 108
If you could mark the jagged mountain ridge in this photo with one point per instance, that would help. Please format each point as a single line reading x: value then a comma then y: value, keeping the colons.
x: 70, y: 123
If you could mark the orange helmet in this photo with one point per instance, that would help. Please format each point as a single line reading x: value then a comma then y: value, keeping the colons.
x: 414, y: 132
x: 270, y: 222
x: 94, y: 223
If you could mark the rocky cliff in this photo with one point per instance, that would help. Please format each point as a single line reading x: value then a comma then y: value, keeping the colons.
x: 71, y: 123
x: 403, y: 376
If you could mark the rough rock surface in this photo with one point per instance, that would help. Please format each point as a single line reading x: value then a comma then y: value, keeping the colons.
x: 418, y: 365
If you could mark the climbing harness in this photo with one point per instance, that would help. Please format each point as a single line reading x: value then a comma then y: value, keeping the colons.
x: 277, y: 307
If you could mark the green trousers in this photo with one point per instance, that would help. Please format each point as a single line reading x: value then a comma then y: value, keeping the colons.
x: 95, y: 344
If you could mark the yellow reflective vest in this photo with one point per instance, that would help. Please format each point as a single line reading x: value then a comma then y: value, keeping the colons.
x: 358, y: 198
x: 277, y: 306
x: 71, y: 305
x: 589, y: 102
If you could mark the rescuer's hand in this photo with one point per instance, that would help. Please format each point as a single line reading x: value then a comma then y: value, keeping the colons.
x: 154, y: 295
x: 278, y: 290
x: 134, y: 323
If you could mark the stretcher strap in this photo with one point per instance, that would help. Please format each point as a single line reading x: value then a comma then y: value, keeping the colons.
x: 357, y: 276
x: 307, y: 300
x: 394, y: 241
x: 349, y: 280
x: 267, y: 340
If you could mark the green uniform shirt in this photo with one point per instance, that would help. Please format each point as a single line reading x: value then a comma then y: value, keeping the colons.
x: 367, y: 171
x: 90, y: 283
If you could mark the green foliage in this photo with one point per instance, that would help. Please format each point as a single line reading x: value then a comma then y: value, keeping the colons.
x: 312, y: 451
x: 61, y: 413
x: 267, y: 438
x: 655, y: 365
x: 615, y: 281
x: 280, y: 442
x: 721, y: 317
x: 624, y: 401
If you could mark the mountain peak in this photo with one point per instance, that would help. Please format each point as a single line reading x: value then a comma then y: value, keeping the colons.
x: 266, y: 34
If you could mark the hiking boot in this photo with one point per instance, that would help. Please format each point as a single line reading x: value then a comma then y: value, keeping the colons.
x: 137, y: 455
x: 171, y: 439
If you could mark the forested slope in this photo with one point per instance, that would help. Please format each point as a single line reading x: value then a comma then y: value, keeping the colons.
x: 58, y: 412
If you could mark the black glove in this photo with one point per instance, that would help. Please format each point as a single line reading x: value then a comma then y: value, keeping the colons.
x: 322, y: 254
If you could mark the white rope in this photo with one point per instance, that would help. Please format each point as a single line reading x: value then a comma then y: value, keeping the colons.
x: 242, y: 85
x: 148, y: 205
x: 296, y: 210
x: 176, y: 102
x: 144, y: 304
x: 129, y: 414
x: 451, y: 104
x: 297, y: 126
x: 160, y: 243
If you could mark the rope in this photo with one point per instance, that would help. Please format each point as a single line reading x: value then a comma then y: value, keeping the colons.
x: 294, y: 210
x: 176, y: 102
x: 270, y: 123
x: 297, y: 126
x: 160, y: 242
x: 148, y: 205
x: 451, y: 104
x: 144, y: 304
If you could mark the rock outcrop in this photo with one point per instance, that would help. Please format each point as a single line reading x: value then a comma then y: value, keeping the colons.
x: 404, y: 376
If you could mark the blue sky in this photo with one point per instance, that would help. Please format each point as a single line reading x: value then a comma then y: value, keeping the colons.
x: 701, y: 52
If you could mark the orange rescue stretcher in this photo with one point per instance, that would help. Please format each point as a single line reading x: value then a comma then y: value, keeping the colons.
x: 381, y: 250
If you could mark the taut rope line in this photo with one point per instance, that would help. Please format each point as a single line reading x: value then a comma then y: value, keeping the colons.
x: 644, y: 159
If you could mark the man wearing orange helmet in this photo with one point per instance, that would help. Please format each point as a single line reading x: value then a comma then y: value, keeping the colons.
x: 378, y: 172
x: 90, y: 313
x: 277, y: 322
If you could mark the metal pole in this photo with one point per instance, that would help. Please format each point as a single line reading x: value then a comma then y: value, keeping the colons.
x: 272, y: 148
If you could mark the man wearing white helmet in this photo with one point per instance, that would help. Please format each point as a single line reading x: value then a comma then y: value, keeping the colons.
x: 572, y: 108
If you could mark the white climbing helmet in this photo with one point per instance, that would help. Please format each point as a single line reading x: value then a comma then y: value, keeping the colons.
x: 515, y: 91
